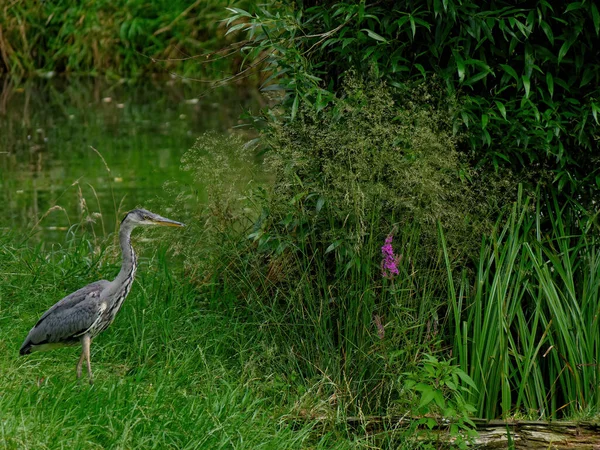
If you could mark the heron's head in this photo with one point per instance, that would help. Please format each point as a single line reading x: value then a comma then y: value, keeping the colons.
x: 144, y: 217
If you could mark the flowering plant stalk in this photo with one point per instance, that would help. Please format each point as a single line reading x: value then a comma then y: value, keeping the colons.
x: 389, y: 262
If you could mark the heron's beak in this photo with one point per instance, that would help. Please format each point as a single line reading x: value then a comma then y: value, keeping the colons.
x: 168, y: 222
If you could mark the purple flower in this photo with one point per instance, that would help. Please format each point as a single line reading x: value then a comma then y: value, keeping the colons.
x: 389, y: 262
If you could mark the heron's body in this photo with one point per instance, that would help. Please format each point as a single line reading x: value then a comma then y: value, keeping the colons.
x: 82, y: 315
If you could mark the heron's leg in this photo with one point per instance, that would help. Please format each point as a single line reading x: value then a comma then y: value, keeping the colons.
x: 80, y: 363
x: 86, y: 342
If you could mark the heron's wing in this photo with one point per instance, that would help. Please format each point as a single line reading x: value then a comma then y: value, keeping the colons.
x: 67, y: 318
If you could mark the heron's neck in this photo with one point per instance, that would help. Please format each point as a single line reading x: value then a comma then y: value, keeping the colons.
x: 129, y: 265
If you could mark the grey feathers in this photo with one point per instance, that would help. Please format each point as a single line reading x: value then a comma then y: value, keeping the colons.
x: 67, y: 319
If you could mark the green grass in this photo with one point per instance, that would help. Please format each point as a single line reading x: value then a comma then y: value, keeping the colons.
x: 170, y: 372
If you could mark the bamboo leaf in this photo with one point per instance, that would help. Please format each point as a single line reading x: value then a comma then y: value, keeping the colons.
x: 476, y: 78
x: 564, y: 49
x: 588, y: 75
x: 460, y: 65
x: 550, y: 83
x: 421, y: 69
x: 573, y: 6
x: 596, y: 18
x: 509, y: 70
x: 547, y: 31
x: 374, y: 35
x: 526, y: 84
x: 501, y: 108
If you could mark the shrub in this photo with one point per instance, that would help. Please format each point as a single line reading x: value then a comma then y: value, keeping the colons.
x: 381, y: 156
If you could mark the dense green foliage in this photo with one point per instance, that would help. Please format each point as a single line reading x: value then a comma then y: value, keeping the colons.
x: 520, y: 322
x: 470, y: 100
x: 526, y: 73
x: 120, y: 38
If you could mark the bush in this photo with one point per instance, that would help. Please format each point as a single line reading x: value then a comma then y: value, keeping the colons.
x: 378, y: 158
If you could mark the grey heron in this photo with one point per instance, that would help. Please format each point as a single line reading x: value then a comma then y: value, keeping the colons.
x: 82, y: 315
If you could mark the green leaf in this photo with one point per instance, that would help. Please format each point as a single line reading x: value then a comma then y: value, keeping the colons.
x: 422, y: 387
x: 550, y: 83
x: 239, y: 11
x: 413, y: 26
x: 573, y: 6
x: 527, y: 85
x: 501, y: 108
x: 596, y: 18
x: 525, y: 30
x: 466, y: 378
x: 236, y: 27
x: 439, y: 400
x: 509, y: 70
x: 427, y: 397
x: 333, y: 246
x: 295, y: 106
x: 374, y: 35
x: 123, y: 31
x: 564, y: 49
x: 547, y: 31
x: 476, y: 78
x: 588, y: 75
x: 421, y: 69
x: 465, y: 118
x: 487, y: 137
x: 595, y: 110
x: 460, y: 66
x: 320, y: 203
x: 484, y: 120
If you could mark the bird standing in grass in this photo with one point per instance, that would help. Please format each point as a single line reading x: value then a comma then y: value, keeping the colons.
x: 82, y: 315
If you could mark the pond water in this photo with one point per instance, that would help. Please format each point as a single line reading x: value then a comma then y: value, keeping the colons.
x: 85, y: 149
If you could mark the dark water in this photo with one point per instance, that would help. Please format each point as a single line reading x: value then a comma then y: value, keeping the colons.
x: 50, y: 175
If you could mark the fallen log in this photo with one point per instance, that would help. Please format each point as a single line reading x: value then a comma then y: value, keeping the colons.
x: 526, y: 434
x: 496, y: 434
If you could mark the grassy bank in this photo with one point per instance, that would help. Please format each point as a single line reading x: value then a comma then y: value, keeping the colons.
x: 171, y: 371
x: 276, y: 355
x: 118, y: 39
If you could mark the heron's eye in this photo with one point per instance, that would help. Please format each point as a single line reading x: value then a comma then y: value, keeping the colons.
x: 146, y: 217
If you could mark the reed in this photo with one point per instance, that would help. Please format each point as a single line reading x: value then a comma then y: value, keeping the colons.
x: 525, y: 325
